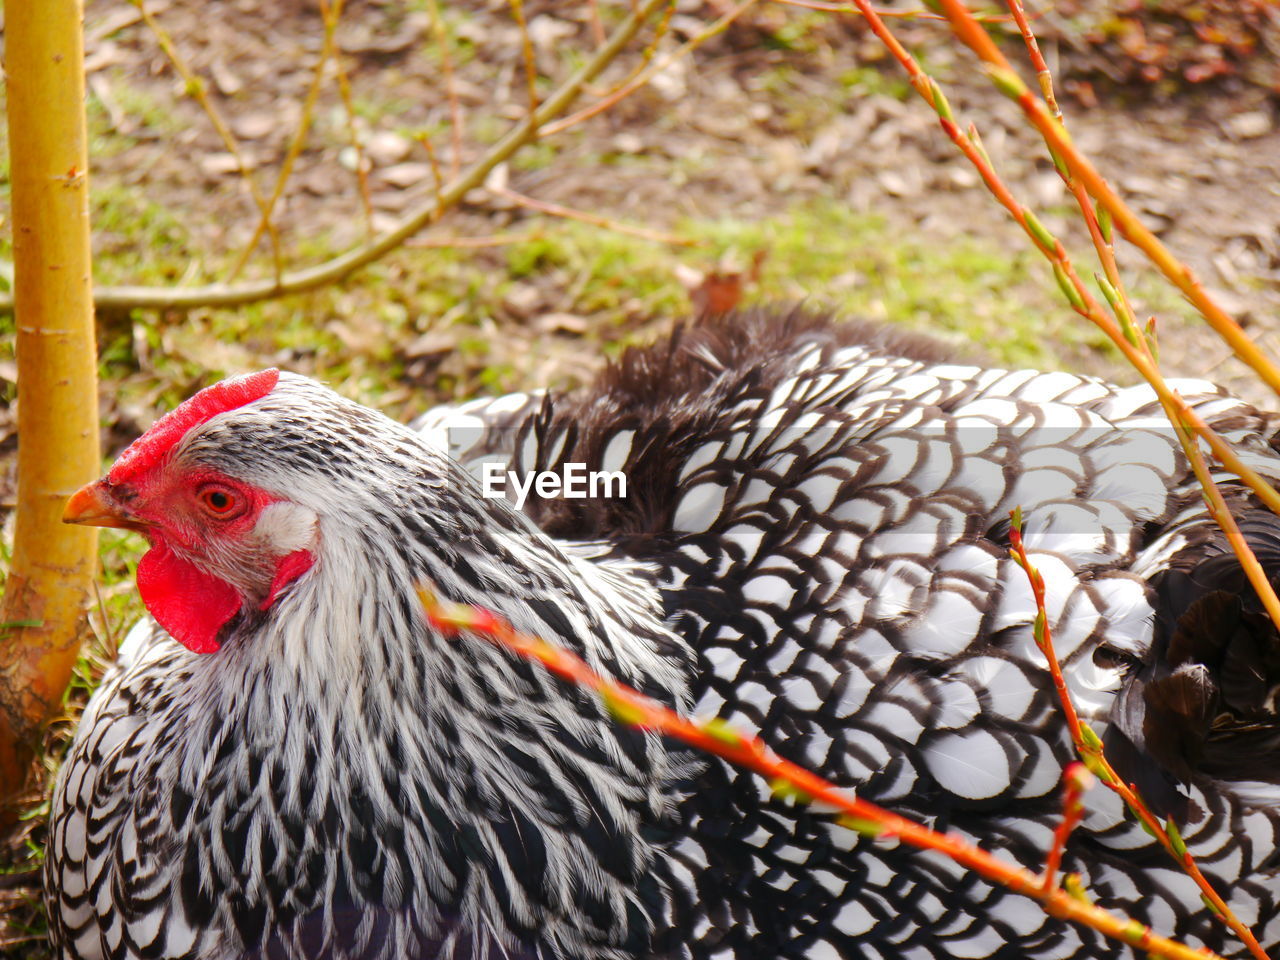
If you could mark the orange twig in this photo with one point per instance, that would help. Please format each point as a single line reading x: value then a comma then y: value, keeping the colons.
x: 841, y: 6
x: 1123, y: 335
x: 1113, y: 288
x: 1114, y: 292
x: 1077, y: 780
x: 715, y: 736
x: 1033, y: 53
x: 1043, y: 635
x: 1089, y: 748
x: 1007, y: 81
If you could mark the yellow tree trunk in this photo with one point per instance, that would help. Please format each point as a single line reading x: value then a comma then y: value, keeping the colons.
x: 53, y: 564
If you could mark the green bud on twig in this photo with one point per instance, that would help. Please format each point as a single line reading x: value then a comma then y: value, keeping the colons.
x: 1038, y: 230
x: 940, y: 103
x: 784, y: 789
x: 1090, y: 738
x: 1061, y: 165
x: 718, y: 729
x: 1075, y: 888
x: 868, y: 828
x: 1067, y: 287
x: 1006, y: 81
x: 976, y: 140
x: 1108, y: 291
x: 1046, y: 85
x: 1175, y: 837
x: 1134, y: 932
x: 1093, y: 763
x: 1104, y: 223
x: 1212, y: 907
x: 1120, y: 309
x: 621, y: 710
x: 1153, y: 342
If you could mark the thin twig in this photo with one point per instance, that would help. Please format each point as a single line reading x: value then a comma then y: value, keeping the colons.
x: 597, y: 25
x: 469, y: 243
x: 1077, y: 781
x: 110, y: 639
x: 353, y: 137
x: 330, y: 15
x: 197, y: 88
x: 568, y: 213
x: 660, y: 31
x: 436, y: 176
x: 842, y: 6
x: 1043, y: 75
x: 1085, y: 304
x: 526, y: 51
x: 1136, y: 351
x: 715, y: 736
x: 1114, y: 292
x: 440, y: 33
x: 1007, y: 81
x: 644, y: 76
x: 334, y: 269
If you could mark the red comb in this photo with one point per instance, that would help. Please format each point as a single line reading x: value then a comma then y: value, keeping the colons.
x: 229, y: 394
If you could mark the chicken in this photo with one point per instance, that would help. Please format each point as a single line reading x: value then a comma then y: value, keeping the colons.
x: 288, y: 762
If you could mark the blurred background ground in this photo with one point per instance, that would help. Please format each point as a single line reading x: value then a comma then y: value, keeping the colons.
x: 790, y: 148
x: 791, y: 137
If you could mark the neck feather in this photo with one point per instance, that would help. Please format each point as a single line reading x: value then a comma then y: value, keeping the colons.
x: 516, y: 797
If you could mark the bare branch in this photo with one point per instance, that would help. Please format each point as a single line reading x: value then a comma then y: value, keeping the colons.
x: 330, y: 271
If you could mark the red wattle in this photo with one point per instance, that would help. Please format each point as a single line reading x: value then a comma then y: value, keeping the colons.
x: 191, y: 604
x: 288, y: 570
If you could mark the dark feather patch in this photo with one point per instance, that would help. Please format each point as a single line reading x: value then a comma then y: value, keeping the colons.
x: 1204, y: 705
x: 673, y: 394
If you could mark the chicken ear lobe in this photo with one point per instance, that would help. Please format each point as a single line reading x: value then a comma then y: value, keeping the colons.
x: 287, y: 570
x: 189, y: 603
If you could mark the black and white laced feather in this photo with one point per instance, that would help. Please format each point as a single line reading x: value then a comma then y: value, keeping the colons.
x: 814, y: 546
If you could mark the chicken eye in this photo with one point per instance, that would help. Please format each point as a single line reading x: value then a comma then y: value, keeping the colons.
x: 220, y: 501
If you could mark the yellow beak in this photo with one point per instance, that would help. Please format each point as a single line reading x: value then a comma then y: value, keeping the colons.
x: 94, y: 505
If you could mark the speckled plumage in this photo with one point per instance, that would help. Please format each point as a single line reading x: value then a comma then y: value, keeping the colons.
x: 814, y: 547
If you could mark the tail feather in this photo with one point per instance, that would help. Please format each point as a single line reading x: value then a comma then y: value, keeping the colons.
x: 1205, y: 702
